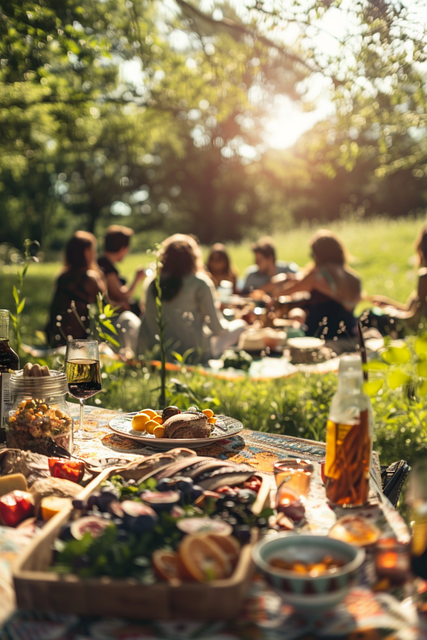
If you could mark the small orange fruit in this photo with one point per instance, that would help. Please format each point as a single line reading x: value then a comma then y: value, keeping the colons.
x: 158, y: 419
x: 139, y: 421
x: 159, y: 431
x: 150, y: 412
x: 150, y: 426
x: 204, y: 559
x: 211, y: 420
x: 208, y: 413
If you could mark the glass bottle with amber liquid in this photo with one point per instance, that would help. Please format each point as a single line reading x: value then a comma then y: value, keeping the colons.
x: 9, y: 362
x: 349, y: 434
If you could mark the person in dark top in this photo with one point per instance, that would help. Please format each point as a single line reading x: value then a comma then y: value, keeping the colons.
x: 116, y: 247
x: 260, y: 275
x: 335, y: 289
x: 77, y: 287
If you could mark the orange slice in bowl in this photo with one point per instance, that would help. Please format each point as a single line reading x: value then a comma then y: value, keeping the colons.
x: 203, y: 559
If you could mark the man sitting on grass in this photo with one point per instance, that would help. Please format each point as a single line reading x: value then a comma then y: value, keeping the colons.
x: 116, y: 247
x: 259, y: 275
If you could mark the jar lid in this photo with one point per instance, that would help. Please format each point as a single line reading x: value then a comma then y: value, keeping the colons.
x: 54, y: 384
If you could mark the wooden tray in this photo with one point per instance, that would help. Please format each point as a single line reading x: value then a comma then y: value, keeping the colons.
x: 44, y: 591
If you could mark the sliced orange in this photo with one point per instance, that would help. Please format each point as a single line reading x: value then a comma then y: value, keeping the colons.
x: 159, y: 431
x: 51, y: 505
x: 211, y: 420
x: 229, y: 545
x: 150, y: 426
x: 203, y: 559
x: 208, y: 413
x: 139, y: 421
x: 158, y: 419
x: 166, y: 564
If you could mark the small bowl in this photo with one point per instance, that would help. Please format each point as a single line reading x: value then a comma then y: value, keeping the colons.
x: 314, y: 594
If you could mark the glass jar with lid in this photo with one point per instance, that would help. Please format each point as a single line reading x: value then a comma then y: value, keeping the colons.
x: 39, y: 413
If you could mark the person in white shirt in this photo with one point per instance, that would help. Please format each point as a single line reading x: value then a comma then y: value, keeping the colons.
x: 192, y: 319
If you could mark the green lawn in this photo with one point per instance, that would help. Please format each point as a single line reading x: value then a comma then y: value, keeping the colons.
x: 383, y: 255
x: 382, y: 250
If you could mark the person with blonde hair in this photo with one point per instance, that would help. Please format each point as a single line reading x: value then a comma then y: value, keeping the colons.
x: 334, y: 289
x: 76, y: 287
x: 192, y: 321
x: 397, y: 315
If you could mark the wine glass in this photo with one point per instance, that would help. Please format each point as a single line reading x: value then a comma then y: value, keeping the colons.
x: 83, y: 375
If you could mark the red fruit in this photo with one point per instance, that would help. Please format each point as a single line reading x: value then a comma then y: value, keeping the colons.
x: 15, y: 507
x: 73, y: 470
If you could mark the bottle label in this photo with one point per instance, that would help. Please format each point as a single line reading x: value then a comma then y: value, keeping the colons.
x: 5, y: 398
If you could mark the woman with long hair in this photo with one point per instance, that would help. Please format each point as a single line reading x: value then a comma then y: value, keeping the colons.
x: 398, y: 316
x: 193, y: 325
x: 219, y: 267
x: 335, y: 289
x: 76, y: 289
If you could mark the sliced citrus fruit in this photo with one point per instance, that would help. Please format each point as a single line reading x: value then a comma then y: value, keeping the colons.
x: 211, y: 420
x: 151, y: 425
x: 204, y: 526
x: 158, y: 419
x: 229, y: 545
x: 166, y: 564
x: 208, y: 413
x: 139, y: 421
x: 51, y: 505
x: 204, y: 559
x: 149, y: 412
x: 159, y: 431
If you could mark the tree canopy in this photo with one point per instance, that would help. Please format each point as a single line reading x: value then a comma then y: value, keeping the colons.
x: 154, y: 113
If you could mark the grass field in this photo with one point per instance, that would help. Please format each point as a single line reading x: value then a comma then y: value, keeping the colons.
x: 382, y: 253
x: 383, y: 256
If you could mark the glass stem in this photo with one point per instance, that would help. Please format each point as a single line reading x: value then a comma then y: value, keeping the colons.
x: 82, y: 413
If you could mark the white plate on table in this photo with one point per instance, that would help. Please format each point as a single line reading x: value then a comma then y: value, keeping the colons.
x: 122, y: 425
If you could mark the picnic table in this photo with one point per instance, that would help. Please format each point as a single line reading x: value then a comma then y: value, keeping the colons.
x: 363, y: 615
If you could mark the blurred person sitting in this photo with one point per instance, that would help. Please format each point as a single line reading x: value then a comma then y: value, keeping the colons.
x: 219, y: 267
x: 396, y: 317
x: 260, y: 275
x: 76, y: 288
x: 116, y: 247
x: 335, y: 290
x: 192, y: 320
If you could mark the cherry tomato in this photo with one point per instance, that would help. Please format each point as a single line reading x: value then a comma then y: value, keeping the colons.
x: 15, y: 507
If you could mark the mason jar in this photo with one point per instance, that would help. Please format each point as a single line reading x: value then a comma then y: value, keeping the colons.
x: 39, y: 413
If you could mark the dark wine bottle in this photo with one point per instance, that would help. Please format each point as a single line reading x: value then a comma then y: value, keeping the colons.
x: 9, y: 361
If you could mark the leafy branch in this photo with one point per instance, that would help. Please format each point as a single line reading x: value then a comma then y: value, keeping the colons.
x: 17, y: 290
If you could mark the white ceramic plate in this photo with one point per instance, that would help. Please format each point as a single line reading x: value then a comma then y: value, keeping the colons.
x: 122, y: 425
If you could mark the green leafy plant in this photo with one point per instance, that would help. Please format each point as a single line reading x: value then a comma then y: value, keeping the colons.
x: 161, y: 324
x: 17, y: 290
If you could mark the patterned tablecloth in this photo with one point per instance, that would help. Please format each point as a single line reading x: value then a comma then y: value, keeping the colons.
x: 363, y: 615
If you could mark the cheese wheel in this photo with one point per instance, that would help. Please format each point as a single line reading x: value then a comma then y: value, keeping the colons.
x: 12, y: 482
